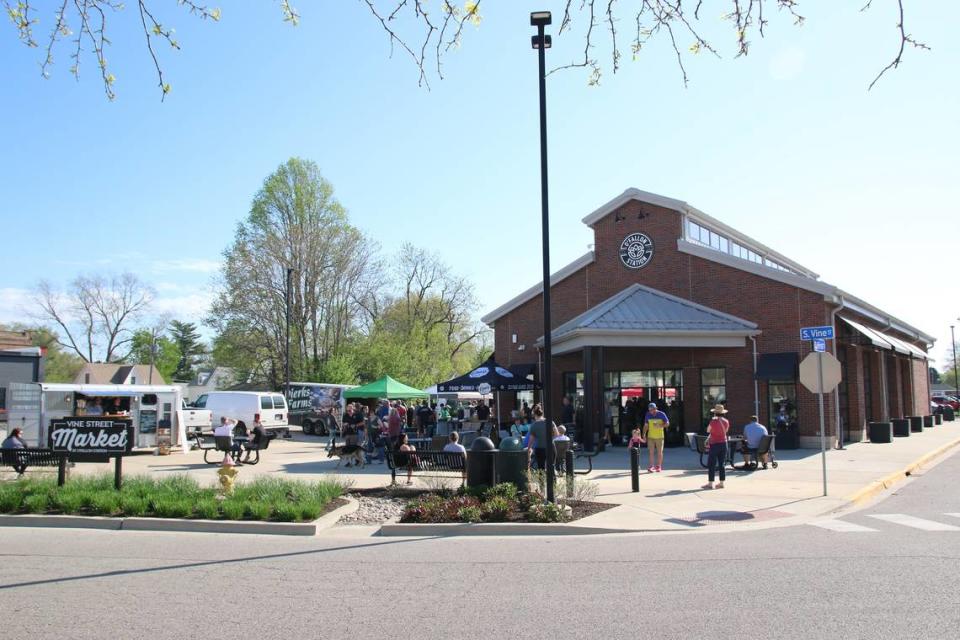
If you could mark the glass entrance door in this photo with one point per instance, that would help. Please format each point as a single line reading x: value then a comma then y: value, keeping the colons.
x: 663, y: 387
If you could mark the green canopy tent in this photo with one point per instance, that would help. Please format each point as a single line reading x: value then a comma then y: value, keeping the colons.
x: 385, y: 387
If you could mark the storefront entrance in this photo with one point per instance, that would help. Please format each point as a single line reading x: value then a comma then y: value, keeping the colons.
x: 628, y: 393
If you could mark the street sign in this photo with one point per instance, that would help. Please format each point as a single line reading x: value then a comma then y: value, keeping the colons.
x: 812, y: 333
x: 809, y: 375
x: 819, y: 345
x: 820, y: 373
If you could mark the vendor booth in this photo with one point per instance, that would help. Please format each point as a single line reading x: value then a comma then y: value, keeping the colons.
x: 154, y: 410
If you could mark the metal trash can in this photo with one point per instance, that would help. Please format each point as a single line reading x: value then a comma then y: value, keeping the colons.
x: 512, y: 463
x: 480, y: 463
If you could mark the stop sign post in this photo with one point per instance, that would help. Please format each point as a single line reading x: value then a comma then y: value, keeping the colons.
x: 820, y: 373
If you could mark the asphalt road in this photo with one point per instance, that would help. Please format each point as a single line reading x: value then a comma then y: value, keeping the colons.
x: 854, y: 576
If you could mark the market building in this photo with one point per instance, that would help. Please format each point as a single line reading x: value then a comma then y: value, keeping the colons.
x: 673, y: 306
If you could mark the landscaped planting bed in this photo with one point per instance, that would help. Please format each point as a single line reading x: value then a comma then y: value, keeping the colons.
x: 501, y: 503
x: 265, y: 499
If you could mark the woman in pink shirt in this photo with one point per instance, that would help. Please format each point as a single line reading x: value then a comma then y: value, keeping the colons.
x: 717, y: 446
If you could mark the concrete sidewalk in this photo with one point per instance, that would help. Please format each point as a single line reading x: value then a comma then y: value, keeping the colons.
x: 672, y: 500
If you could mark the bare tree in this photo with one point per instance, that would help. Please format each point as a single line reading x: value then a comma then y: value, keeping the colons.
x: 96, y: 314
x: 426, y: 32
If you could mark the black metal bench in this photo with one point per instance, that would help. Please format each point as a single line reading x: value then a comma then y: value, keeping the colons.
x: 704, y: 450
x: 425, y: 462
x: 22, y: 459
x: 258, y: 447
x: 208, y: 443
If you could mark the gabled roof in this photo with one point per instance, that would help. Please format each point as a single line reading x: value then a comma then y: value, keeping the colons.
x: 799, y: 276
x: 113, y: 373
x: 641, y: 311
x: 537, y: 289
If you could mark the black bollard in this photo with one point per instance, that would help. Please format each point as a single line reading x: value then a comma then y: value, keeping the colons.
x: 635, y: 468
x: 568, y: 463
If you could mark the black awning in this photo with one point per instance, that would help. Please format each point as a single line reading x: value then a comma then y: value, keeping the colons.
x: 777, y: 366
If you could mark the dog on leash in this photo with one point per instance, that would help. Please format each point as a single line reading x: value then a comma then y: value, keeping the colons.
x: 349, y: 452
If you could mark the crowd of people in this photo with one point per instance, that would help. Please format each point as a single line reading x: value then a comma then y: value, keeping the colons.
x: 391, y: 423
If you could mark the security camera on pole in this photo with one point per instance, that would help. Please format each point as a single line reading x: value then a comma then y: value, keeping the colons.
x: 820, y: 373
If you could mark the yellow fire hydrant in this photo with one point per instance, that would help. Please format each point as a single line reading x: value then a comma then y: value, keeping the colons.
x: 227, y: 474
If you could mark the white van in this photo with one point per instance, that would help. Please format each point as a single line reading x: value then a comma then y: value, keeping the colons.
x: 246, y: 407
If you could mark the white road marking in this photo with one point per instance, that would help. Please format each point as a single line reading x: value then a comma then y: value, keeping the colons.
x: 842, y: 526
x: 916, y: 523
x: 955, y: 515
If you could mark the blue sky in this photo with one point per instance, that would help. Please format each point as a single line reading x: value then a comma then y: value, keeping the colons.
x: 786, y: 145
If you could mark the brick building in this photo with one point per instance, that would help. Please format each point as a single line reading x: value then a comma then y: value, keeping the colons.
x: 675, y: 307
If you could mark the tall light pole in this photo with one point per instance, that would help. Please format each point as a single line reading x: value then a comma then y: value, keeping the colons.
x: 541, y: 43
x: 956, y: 374
x: 286, y: 357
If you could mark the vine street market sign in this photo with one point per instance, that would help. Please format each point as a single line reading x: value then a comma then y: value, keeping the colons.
x: 91, y: 434
x: 636, y: 251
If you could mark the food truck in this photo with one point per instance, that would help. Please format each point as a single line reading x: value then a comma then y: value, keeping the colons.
x: 156, y: 411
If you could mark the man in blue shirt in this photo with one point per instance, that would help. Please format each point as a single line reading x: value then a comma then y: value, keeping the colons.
x: 654, y: 424
x: 753, y: 433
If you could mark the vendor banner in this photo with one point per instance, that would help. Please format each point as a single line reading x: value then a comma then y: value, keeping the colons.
x: 91, y: 434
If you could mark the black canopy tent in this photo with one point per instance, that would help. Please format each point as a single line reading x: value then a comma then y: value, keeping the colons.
x: 490, y: 377
x: 499, y: 378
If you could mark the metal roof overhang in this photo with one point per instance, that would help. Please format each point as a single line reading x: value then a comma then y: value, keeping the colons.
x: 884, y: 341
x: 582, y: 338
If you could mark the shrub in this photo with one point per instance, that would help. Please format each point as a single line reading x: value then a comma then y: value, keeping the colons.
x: 260, y: 510
x: 546, y: 512
x: 503, y: 490
x: 232, y: 509
x: 309, y: 512
x: 167, y: 506
x: 497, y: 508
x: 133, y: 506
x: 286, y: 512
x: 207, y: 508
x: 11, y: 498
x: 105, y: 503
x: 469, y: 514
x: 37, y: 502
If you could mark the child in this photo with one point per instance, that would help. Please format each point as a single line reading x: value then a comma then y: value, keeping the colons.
x: 636, y: 440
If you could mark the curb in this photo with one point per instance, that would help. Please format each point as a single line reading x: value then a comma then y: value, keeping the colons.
x: 61, y: 522
x: 220, y: 526
x: 877, y: 486
x: 493, y: 529
x: 328, y: 520
x: 192, y: 526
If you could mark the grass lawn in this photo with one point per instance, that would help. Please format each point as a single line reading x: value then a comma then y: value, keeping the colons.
x: 269, y: 499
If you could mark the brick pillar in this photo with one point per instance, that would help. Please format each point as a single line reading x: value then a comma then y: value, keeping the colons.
x: 895, y: 385
x: 856, y: 395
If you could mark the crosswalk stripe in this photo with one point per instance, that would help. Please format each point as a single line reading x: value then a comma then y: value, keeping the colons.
x: 916, y: 523
x: 842, y: 526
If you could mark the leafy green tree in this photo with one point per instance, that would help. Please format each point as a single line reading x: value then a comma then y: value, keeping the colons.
x: 165, y: 356
x: 295, y: 223
x: 185, y: 336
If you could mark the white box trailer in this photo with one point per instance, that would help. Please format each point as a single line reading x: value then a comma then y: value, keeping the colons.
x: 155, y: 410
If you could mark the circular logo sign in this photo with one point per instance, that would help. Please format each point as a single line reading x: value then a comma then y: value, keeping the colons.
x: 479, y: 372
x: 504, y: 372
x: 483, y: 388
x: 636, y: 250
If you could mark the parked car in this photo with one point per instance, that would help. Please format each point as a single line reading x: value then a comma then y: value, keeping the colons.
x: 246, y: 407
x: 945, y: 400
x: 195, y: 419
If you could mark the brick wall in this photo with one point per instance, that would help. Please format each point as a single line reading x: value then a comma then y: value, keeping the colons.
x: 779, y: 309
